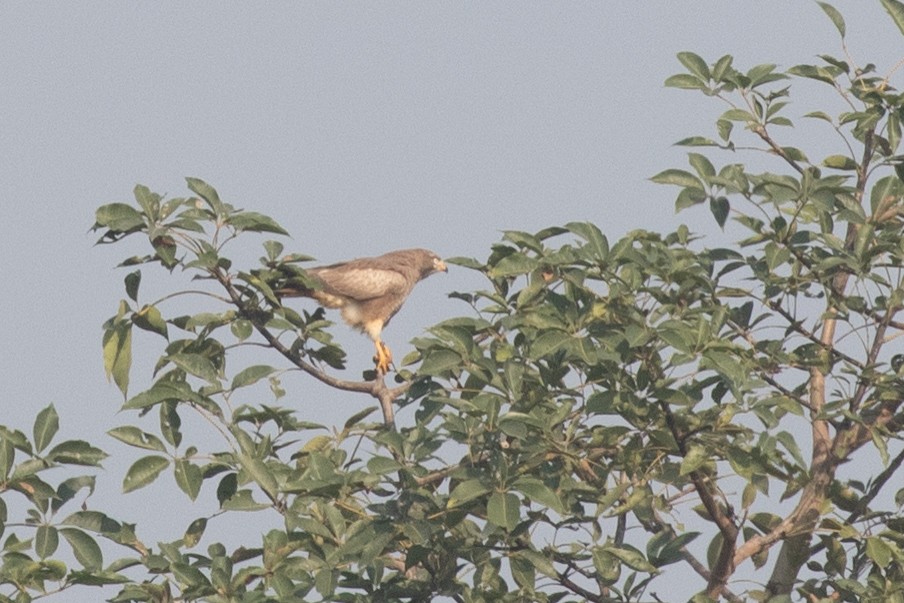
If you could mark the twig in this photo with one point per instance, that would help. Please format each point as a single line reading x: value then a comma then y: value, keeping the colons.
x: 760, y: 130
x: 724, y: 565
x: 376, y: 388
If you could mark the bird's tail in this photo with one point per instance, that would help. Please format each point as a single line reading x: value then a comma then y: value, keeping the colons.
x: 293, y: 292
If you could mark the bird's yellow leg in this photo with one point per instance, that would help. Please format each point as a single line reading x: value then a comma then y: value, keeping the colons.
x: 383, y: 358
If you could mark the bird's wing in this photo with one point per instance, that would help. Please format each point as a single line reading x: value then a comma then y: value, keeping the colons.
x: 361, y: 280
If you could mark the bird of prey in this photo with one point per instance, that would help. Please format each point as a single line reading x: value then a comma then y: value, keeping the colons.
x: 369, y: 291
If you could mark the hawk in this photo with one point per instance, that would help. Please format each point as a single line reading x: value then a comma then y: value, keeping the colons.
x: 369, y: 291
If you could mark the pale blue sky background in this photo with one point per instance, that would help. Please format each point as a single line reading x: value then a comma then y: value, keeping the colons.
x: 359, y: 127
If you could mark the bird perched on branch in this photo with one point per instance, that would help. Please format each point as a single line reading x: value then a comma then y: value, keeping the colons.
x: 369, y: 291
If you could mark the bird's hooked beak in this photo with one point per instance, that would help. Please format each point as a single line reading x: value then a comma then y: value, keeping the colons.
x: 439, y: 265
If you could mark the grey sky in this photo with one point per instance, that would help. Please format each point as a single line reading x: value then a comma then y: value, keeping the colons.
x: 408, y: 124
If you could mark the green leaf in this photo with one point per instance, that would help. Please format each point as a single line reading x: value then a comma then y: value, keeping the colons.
x: 466, y: 491
x: 188, y: 477
x: 513, y: 265
x: 93, y: 521
x: 678, y: 178
x: 886, y: 191
x: 128, y: 434
x: 47, y: 423
x: 878, y: 550
x: 76, y: 452
x: 596, y: 240
x: 325, y: 581
x: 170, y: 423
x: 189, y: 577
x: 839, y: 162
x: 46, y: 541
x: 696, y: 141
x: 695, y: 458
x: 523, y: 239
x: 197, y: 365
x: 685, y: 81
x: 67, y: 490
x: 273, y: 249
x: 251, y: 375
x: 607, y: 566
x: 632, y: 558
x: 117, y: 346
x: 834, y: 15
x: 819, y: 115
x: 242, y: 500
x: 7, y: 456
x: 724, y: 127
x: 539, y: 493
x: 689, y: 197
x: 241, y: 328
x: 820, y: 74
x: 763, y: 74
x: 738, y: 115
x: 381, y: 465
x: 523, y: 572
x: 163, y: 391
x: 539, y: 561
x: 194, y: 532
x: 261, y: 474
x: 98, y: 578
x: 150, y: 319
x: 357, y: 418
x: 84, y: 547
x: 133, y: 280
x: 208, y: 193
x: 438, y: 361
x: 695, y: 64
x: 896, y: 10
x: 722, y: 67
x: 503, y: 510
x: 701, y: 165
x: 549, y: 342
x: 255, y: 222
x: 318, y: 443
x: 119, y: 217
x: 144, y: 471
x: 720, y: 208
x: 881, y: 446
x: 464, y: 262
x: 148, y: 201
x: 671, y: 552
x: 227, y: 487
x: 790, y: 443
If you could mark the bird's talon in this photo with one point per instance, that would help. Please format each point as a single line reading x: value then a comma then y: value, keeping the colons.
x: 383, y: 358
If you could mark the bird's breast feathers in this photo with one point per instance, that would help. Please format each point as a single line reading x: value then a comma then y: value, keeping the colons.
x: 328, y: 300
x: 361, y: 283
x: 354, y: 316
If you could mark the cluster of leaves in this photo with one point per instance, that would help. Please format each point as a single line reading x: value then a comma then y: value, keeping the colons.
x: 603, y: 415
x: 31, y: 553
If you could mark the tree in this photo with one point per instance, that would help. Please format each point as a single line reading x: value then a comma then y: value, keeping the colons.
x: 603, y: 417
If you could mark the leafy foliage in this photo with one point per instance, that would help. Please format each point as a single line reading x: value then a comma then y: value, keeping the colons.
x: 601, y: 415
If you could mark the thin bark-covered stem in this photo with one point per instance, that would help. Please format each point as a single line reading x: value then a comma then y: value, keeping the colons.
x: 797, y: 528
x: 376, y: 388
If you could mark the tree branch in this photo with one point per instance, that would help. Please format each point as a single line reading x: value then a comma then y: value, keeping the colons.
x: 760, y: 130
x: 799, y: 525
x: 724, y: 565
x: 654, y: 525
x: 376, y: 388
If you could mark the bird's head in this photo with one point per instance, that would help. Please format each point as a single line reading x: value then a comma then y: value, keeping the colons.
x: 430, y: 263
x: 439, y: 265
